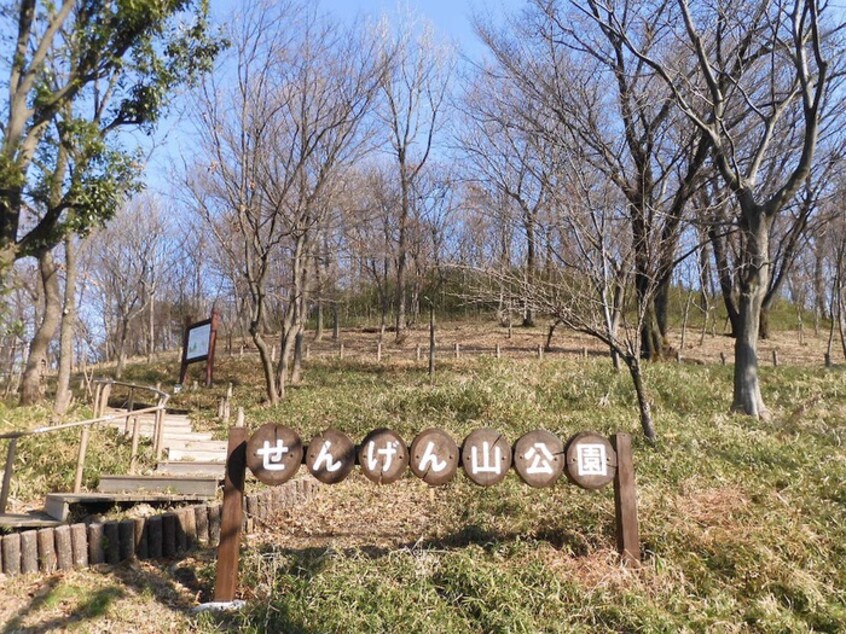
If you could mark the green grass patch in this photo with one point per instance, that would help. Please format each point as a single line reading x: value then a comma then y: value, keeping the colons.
x: 743, y: 522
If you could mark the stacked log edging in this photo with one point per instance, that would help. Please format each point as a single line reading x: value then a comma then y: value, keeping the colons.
x: 166, y: 536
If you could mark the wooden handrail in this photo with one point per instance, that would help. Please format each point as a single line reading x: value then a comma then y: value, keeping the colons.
x: 13, y: 436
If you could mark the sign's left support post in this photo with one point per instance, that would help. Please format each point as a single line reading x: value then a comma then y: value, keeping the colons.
x: 226, y: 575
x: 183, y: 368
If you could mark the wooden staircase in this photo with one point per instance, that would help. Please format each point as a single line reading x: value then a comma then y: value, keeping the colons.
x: 192, y: 471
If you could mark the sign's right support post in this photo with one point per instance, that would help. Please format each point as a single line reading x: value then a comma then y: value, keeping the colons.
x: 625, y: 501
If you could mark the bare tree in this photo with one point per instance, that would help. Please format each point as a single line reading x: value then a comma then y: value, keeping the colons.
x: 759, y: 67
x: 414, y: 92
x: 277, y: 137
x: 124, y: 262
x: 571, y: 71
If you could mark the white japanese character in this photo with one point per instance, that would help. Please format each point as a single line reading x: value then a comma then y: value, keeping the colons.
x: 540, y: 463
x: 431, y: 458
x: 487, y: 465
x: 271, y: 457
x: 389, y: 451
x: 325, y: 457
x: 591, y: 460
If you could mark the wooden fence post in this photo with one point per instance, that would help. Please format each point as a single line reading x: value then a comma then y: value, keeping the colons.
x: 625, y: 501
x: 432, y: 340
x: 80, y: 460
x: 133, y: 456
x: 7, y: 473
x: 226, y: 575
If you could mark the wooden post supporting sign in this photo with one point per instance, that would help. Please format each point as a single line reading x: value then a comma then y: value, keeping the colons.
x: 226, y: 575
x: 625, y: 501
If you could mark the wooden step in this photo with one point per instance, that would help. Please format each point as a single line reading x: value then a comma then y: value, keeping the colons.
x: 194, y: 436
x: 23, y: 521
x: 196, y: 455
x: 186, y: 485
x: 196, y: 445
x: 57, y: 505
x: 170, y: 467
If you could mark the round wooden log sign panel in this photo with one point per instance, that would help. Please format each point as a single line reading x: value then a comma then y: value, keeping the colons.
x: 383, y: 456
x: 486, y: 456
x: 539, y: 458
x: 434, y: 457
x: 331, y: 456
x: 591, y: 461
x: 274, y: 453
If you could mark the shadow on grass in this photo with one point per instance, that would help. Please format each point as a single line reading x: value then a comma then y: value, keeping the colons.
x: 91, y: 604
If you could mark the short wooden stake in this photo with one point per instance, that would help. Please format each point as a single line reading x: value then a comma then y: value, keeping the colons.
x: 126, y: 539
x: 201, y: 519
x: 540, y: 351
x: 457, y: 350
x: 498, y: 351
x: 29, y: 552
x: 111, y: 532
x: 64, y: 549
x: 214, y: 524
x: 625, y: 501
x: 379, y: 352
x: 419, y: 352
x: 226, y: 575
x: 722, y: 358
x: 775, y: 358
x: 95, y: 544
x: 12, y: 553
x: 341, y: 351
x: 79, y: 545
x: 140, y: 535
x: 584, y: 352
x: 47, y: 550
x: 154, y: 537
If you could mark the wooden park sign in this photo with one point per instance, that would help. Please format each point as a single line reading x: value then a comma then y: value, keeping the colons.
x: 274, y: 453
x: 198, y: 345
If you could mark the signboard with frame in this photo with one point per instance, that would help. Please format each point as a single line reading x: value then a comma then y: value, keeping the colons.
x: 198, y: 345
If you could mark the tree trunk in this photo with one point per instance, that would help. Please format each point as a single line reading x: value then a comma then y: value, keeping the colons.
x: 531, y: 262
x: 36, y: 363
x: 753, y: 285
x: 764, y: 322
x: 402, y: 255
x: 724, y: 275
x: 63, y: 392
x: 643, y: 404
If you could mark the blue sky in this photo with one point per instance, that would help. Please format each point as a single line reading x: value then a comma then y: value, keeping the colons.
x: 452, y: 20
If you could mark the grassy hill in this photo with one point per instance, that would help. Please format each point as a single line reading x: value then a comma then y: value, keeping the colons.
x: 743, y: 522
